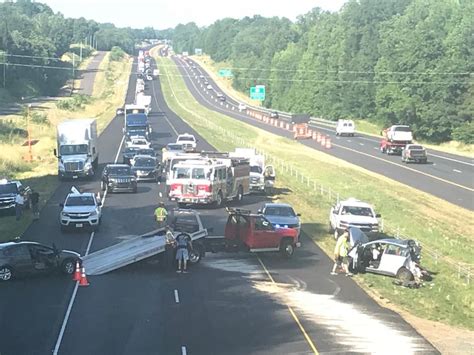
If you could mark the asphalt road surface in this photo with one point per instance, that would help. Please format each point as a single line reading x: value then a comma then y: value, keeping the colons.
x: 87, y: 76
x: 448, y: 176
x: 230, y: 303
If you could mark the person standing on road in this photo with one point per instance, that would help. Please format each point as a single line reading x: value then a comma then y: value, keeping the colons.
x: 161, y: 215
x: 19, y: 202
x: 35, y: 204
x: 340, y: 253
x: 183, y: 242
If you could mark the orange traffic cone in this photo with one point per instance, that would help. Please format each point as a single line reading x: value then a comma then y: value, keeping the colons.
x: 328, y: 142
x: 77, y: 273
x: 83, y: 281
x: 318, y: 137
x: 323, y: 141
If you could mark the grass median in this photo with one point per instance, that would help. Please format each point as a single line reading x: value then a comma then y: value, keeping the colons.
x: 41, y: 173
x: 362, y: 125
x: 435, y: 223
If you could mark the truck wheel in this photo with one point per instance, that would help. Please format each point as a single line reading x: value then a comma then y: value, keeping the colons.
x: 404, y: 275
x: 181, y: 205
x: 6, y: 273
x: 240, y: 194
x: 219, y: 200
x: 195, y: 254
x: 287, y: 248
x: 330, y: 228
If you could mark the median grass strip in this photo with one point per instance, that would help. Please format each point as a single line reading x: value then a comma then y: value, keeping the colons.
x: 41, y: 174
x: 362, y: 125
x: 434, y: 222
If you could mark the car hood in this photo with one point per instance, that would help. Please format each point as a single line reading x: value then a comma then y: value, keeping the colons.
x: 68, y: 253
x: 357, y: 236
x: 358, y: 219
x: 282, y: 220
x: 79, y: 209
x: 143, y: 168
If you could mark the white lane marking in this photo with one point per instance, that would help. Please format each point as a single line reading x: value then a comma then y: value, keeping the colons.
x: 183, y: 350
x: 457, y: 171
x: 176, y: 296
x: 361, y: 144
x: 90, y: 242
x: 161, y: 194
x: 455, y: 160
x: 73, y: 296
x: 376, y: 148
x: 66, y: 318
x: 349, y: 141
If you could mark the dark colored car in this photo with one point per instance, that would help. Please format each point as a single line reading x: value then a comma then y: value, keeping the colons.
x: 147, y: 151
x: 221, y: 97
x: 117, y: 178
x: 146, y: 168
x: 129, y: 153
x: 27, y: 258
x: 8, y: 191
x: 274, y: 114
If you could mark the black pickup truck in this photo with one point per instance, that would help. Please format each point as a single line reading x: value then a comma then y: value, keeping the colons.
x: 9, y: 189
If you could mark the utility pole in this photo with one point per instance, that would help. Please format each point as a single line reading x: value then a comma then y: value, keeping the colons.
x: 73, y: 73
x: 30, y: 153
x: 80, y: 55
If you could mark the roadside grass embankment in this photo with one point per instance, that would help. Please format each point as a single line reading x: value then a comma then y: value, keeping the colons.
x: 41, y: 174
x: 302, y: 171
x: 362, y: 125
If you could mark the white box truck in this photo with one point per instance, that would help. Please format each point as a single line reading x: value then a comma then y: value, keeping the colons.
x: 77, y: 148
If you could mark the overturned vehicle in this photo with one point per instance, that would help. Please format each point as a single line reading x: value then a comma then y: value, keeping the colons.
x: 398, y: 258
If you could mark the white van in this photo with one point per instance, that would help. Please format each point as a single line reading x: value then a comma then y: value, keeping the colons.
x: 345, y: 127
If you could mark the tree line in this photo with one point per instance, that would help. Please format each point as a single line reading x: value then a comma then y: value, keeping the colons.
x: 33, y: 37
x: 386, y: 61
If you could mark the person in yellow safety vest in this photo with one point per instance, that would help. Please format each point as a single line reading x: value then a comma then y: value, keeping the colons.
x: 340, y: 253
x: 161, y: 215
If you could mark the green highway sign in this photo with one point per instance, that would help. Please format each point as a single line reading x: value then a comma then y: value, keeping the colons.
x: 225, y: 73
x: 257, y: 92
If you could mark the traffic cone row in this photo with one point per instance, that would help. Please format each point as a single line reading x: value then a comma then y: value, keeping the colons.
x: 83, y: 281
x: 80, y: 275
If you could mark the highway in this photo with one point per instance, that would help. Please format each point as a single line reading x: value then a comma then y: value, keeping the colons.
x: 228, y: 304
x: 447, y: 176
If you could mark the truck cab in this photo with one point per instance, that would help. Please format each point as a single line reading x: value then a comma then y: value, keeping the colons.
x: 255, y: 233
x: 77, y: 148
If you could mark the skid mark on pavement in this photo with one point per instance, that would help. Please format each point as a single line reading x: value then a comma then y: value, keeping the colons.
x: 352, y: 328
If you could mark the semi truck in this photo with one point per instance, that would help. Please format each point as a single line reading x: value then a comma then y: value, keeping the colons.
x: 136, y: 121
x: 77, y: 148
x: 395, y: 138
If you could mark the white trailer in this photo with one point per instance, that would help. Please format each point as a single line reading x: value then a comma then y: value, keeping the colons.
x: 77, y: 148
x: 260, y: 174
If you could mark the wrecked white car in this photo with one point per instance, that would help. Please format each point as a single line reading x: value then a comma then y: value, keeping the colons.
x: 392, y: 257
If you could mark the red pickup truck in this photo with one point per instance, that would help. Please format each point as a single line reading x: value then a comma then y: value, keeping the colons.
x: 247, y: 231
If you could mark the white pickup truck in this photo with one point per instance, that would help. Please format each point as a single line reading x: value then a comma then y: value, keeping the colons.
x: 353, y: 213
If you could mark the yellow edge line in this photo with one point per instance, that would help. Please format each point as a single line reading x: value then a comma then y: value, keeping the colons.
x: 405, y: 167
x: 293, y: 314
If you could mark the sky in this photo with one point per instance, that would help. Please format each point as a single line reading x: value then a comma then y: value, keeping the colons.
x: 161, y: 14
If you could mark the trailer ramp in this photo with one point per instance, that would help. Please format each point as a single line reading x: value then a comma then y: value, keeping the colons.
x: 125, y: 253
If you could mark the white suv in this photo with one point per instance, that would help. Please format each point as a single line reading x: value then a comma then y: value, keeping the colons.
x: 346, y: 127
x: 353, y: 213
x: 80, y: 210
